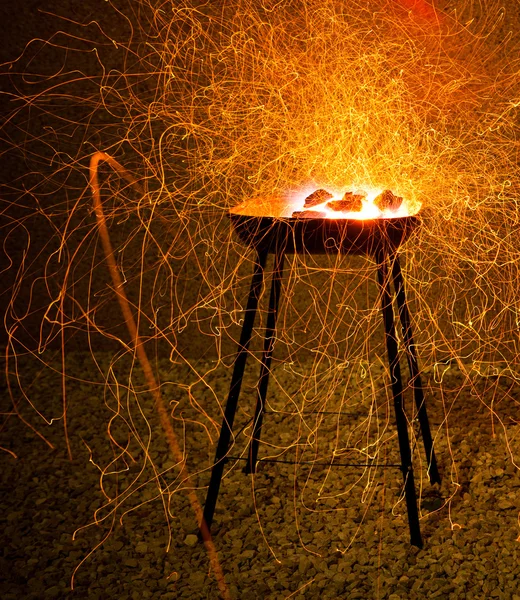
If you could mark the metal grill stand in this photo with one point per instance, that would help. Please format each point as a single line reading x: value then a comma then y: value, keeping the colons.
x: 388, y: 269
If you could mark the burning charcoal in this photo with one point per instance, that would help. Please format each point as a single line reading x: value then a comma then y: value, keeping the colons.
x: 387, y: 201
x: 316, y: 198
x: 308, y: 214
x: 350, y: 203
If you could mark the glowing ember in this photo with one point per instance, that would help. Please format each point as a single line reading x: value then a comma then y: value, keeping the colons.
x: 387, y: 201
x: 350, y: 203
x: 317, y: 197
x: 359, y: 204
x: 365, y: 204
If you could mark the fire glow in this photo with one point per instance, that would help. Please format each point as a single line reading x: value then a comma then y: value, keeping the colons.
x: 297, y: 205
x: 369, y: 205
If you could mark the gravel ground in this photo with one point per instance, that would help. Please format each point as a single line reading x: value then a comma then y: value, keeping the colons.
x: 291, y: 532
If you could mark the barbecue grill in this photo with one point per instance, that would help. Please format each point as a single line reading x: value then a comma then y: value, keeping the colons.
x: 272, y: 226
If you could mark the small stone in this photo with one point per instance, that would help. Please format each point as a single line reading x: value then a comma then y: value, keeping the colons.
x: 307, y: 537
x: 191, y: 540
x: 432, y: 504
x: 14, y: 516
x: 130, y: 562
x: 304, y: 564
x: 197, y: 579
x: 53, y: 592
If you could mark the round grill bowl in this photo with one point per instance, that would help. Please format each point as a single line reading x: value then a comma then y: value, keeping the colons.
x: 322, y: 235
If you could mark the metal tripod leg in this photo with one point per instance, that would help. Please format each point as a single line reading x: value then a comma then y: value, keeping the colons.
x: 397, y: 391
x: 413, y: 366
x: 234, y: 392
x: 265, y: 366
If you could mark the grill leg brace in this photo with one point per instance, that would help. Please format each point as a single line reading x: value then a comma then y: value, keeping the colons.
x: 234, y: 392
x: 397, y: 391
x: 413, y: 366
x: 263, y: 381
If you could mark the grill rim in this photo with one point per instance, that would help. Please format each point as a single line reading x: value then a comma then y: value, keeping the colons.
x: 322, y: 235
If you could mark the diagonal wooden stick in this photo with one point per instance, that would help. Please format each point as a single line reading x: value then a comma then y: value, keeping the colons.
x: 138, y: 347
